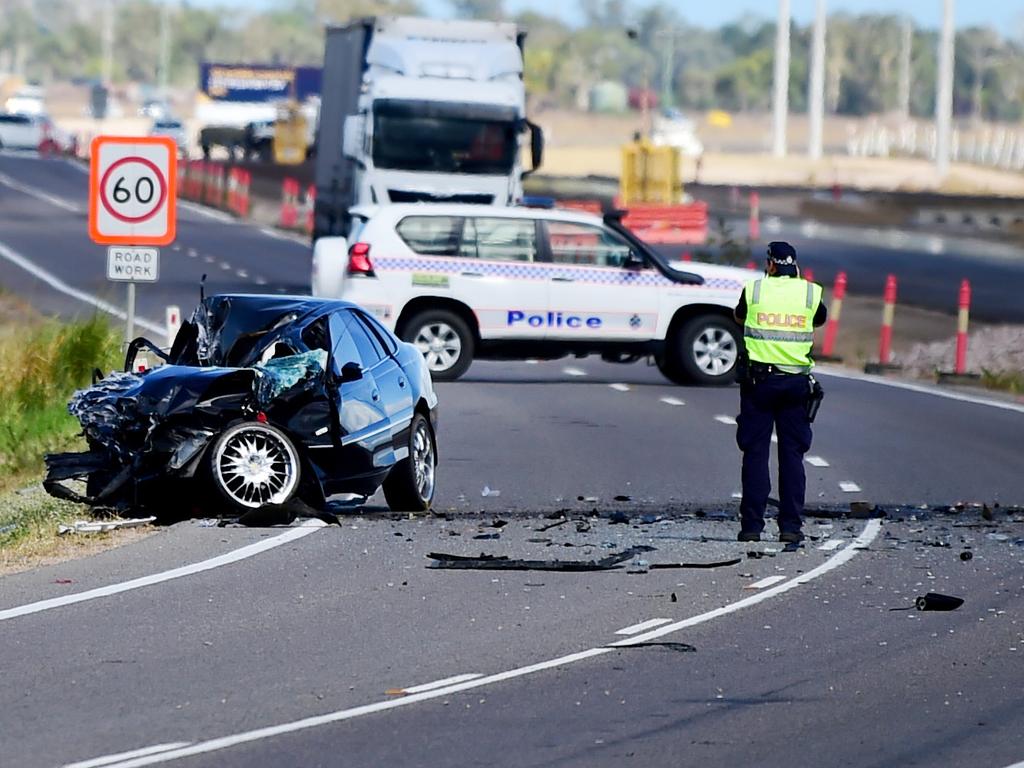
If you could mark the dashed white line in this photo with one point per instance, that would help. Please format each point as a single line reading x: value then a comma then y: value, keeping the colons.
x: 672, y: 401
x: 635, y: 628
x: 816, y: 461
x: 574, y: 372
x: 848, y: 486
x: 225, y: 266
x: 213, y: 745
x: 260, y: 280
x: 765, y: 582
x: 96, y: 762
x: 242, y: 273
x: 176, y: 247
x: 209, y: 259
x: 442, y: 683
x: 207, y: 212
x: 831, y: 544
x: 620, y: 387
x: 737, y: 494
x: 723, y: 419
x: 38, y: 194
x: 192, y: 253
x: 227, y: 558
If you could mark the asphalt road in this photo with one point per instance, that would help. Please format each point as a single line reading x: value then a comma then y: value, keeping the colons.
x: 319, y: 646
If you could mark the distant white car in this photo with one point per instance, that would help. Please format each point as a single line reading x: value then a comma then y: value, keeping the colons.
x: 673, y: 130
x: 172, y: 129
x: 30, y: 100
x: 460, y: 281
x: 21, y: 131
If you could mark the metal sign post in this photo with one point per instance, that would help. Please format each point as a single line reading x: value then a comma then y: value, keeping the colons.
x: 132, y: 203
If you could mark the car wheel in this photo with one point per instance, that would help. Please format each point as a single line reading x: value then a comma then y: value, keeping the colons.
x: 444, y: 340
x: 253, y: 465
x: 409, y: 486
x: 703, y: 350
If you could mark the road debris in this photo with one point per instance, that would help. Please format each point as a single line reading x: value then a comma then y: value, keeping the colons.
x: 933, y: 601
x: 668, y: 645
x: 488, y: 491
x: 966, y: 555
x: 549, y: 526
x: 103, y: 526
x: 504, y: 563
x: 715, y: 564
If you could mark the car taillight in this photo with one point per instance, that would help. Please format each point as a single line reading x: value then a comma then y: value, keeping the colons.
x: 359, y: 260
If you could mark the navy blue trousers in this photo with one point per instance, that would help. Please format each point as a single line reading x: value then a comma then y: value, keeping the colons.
x: 778, y: 401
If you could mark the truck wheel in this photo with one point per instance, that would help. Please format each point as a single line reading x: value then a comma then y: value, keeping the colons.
x: 444, y: 340
x: 703, y: 351
x: 409, y: 486
x: 253, y: 465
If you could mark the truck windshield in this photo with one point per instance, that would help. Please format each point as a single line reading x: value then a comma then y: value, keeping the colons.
x: 434, y: 140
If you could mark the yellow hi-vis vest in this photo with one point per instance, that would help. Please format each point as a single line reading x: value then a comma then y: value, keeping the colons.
x: 779, y: 328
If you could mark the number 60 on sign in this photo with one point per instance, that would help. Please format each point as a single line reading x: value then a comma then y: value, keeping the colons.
x: 132, y: 190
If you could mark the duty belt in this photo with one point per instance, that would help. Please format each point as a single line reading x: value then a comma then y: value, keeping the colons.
x: 767, y: 369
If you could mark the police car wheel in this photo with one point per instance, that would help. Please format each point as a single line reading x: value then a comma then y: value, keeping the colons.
x: 444, y: 340
x: 705, y: 350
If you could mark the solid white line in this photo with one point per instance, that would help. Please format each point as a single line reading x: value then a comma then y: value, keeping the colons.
x: 574, y: 372
x: 828, y: 546
x: 725, y: 419
x: 920, y: 388
x: 847, y: 486
x: 86, y: 298
x: 59, y: 202
x: 442, y: 683
x: 620, y: 387
x: 649, y: 624
x: 96, y: 762
x: 672, y: 401
x: 816, y: 461
x: 1016, y: 765
x: 766, y: 582
x: 213, y: 745
x: 287, y: 237
x: 839, y: 558
x: 208, y: 212
x: 227, y: 558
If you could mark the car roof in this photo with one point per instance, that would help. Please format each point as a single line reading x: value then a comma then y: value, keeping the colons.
x: 401, y: 210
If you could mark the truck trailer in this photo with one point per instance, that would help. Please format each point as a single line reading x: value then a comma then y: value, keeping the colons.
x: 420, y: 110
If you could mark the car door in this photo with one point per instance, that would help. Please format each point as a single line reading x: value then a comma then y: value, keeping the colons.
x: 362, y: 425
x: 508, y: 288
x: 598, y: 290
x: 395, y: 391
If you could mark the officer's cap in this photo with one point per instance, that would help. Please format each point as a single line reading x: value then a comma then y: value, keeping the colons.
x: 781, y: 252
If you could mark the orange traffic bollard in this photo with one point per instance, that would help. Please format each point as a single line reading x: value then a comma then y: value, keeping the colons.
x: 888, y: 312
x: 961, y: 328
x: 834, y: 312
x: 755, y: 216
x: 808, y: 274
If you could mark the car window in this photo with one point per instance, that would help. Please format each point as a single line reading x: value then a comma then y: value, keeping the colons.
x: 499, y: 239
x: 431, y: 235
x: 15, y: 119
x: 379, y: 333
x: 345, y: 348
x: 370, y: 349
x: 573, y: 243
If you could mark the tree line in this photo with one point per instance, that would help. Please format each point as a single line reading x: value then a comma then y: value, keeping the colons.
x: 726, y: 68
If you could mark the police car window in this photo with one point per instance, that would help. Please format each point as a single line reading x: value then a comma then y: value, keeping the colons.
x: 499, y: 239
x: 573, y: 243
x: 370, y: 350
x: 431, y: 235
x: 378, y: 332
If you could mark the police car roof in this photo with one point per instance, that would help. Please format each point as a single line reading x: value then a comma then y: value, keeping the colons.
x: 400, y: 210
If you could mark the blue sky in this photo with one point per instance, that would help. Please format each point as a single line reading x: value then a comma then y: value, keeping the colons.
x: 1005, y: 15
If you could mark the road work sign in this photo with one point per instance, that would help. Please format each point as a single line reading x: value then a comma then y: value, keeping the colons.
x: 141, y: 265
x: 132, y: 190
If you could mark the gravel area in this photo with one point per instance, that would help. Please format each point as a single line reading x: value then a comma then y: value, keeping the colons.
x: 997, y: 349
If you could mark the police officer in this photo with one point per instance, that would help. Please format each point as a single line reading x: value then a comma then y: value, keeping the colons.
x: 779, y: 313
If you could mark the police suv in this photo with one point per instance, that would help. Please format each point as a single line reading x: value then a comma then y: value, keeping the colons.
x: 461, y: 281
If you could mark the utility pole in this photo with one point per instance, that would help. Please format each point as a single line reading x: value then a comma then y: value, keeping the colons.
x: 780, y: 98
x: 944, y: 94
x: 816, y: 92
x: 165, y: 47
x: 667, y: 67
x: 906, y: 43
x: 108, y: 42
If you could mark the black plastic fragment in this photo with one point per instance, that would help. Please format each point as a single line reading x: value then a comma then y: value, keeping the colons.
x: 503, y: 563
x: 672, y: 646
x: 718, y: 564
x: 934, y: 601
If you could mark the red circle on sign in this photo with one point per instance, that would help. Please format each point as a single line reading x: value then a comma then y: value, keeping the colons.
x: 156, y: 172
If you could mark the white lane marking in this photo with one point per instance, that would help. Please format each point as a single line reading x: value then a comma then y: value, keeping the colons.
x: 672, y: 401
x: 192, y: 253
x: 737, y: 494
x: 208, y: 212
x: 287, y: 237
x: 225, y: 266
x: 260, y: 280
x: 574, y: 372
x: 649, y: 624
x: 227, y: 558
x: 442, y: 683
x: 96, y: 762
x: 176, y: 247
x: 765, y: 582
x: 213, y: 745
x: 620, y: 387
x: 242, y: 273
x: 1016, y: 765
x: 848, y: 486
x: 38, y: 194
x: 919, y: 388
x: 828, y: 546
x: 775, y: 438
x: 209, y: 259
x: 816, y: 461
x: 723, y: 419
x: 86, y: 298
x: 839, y: 558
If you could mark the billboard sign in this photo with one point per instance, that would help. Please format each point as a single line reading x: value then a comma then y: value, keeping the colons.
x: 258, y: 82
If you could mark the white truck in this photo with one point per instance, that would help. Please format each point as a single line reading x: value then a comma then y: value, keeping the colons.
x: 420, y: 110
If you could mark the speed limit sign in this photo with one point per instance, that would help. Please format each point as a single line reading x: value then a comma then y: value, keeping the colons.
x: 132, y: 190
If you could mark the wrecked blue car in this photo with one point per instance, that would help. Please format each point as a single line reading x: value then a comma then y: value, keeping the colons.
x: 262, y: 401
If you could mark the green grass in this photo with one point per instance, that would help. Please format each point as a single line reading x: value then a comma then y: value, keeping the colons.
x: 42, y: 364
x: 1006, y: 381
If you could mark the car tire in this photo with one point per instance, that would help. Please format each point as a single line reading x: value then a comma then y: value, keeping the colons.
x: 409, y: 486
x: 445, y: 341
x: 271, y: 470
x: 703, y: 350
